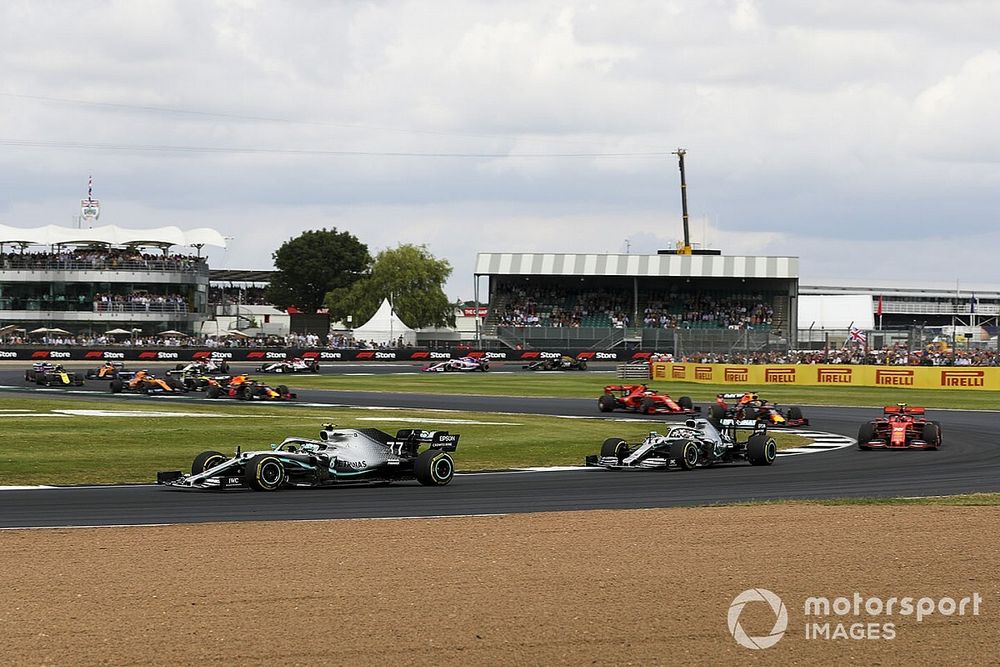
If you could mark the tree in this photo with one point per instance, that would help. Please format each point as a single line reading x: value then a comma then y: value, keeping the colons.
x: 314, y: 263
x: 410, y: 277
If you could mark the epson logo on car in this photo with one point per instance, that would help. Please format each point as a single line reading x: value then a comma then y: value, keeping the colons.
x: 165, y: 355
x: 385, y: 355
x: 447, y: 438
x: 329, y: 355
x: 275, y: 355
x: 8, y: 355
x: 496, y: 355
x: 59, y: 355
x: 605, y: 355
x: 440, y: 355
x: 222, y: 355
x: 114, y: 355
x: 549, y: 355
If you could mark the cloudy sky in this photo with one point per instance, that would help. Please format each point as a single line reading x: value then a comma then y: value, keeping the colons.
x: 863, y: 137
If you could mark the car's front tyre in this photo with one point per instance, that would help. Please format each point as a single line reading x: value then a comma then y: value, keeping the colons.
x: 206, y: 460
x: 264, y: 472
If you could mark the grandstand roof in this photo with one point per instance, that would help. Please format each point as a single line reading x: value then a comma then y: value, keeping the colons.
x: 240, y: 275
x: 681, y: 266
x: 112, y: 235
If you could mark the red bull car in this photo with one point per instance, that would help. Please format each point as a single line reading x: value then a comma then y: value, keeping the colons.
x: 901, y: 426
x: 748, y: 405
x: 640, y: 398
x: 243, y: 388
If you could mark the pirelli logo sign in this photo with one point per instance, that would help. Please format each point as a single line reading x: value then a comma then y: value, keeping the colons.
x: 963, y: 378
x: 834, y: 375
x: 702, y: 372
x: 737, y: 374
x: 894, y: 377
x: 678, y: 372
x: 780, y: 375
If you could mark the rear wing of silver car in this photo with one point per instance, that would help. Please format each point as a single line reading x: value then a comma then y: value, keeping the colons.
x: 443, y: 440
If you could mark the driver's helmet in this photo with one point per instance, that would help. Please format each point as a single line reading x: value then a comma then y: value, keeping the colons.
x: 58, y: 367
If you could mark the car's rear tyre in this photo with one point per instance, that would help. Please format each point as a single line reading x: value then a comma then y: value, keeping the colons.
x: 795, y: 412
x: 282, y: 389
x: 685, y: 402
x: 647, y: 406
x: 264, y: 472
x: 615, y: 447
x: 717, y: 413
x: 865, y: 435
x: 932, y: 434
x: 213, y: 392
x: 685, y: 454
x: 583, y: 365
x: 434, y: 468
x: 117, y: 386
x: 606, y: 403
x: 761, y: 450
x: 224, y: 366
x: 206, y: 460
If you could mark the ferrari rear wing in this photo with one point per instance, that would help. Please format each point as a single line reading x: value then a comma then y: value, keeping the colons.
x: 902, y: 410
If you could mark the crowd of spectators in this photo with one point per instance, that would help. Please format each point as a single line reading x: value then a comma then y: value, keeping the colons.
x: 249, y: 296
x: 675, y: 310
x: 105, y: 259
x: 549, y: 307
x: 544, y: 306
x: 140, y: 301
x: 892, y: 356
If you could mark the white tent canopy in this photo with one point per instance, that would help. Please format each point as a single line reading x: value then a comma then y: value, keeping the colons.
x: 112, y: 235
x: 385, y: 327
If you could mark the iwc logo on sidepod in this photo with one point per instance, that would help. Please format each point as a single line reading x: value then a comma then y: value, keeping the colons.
x: 780, y: 618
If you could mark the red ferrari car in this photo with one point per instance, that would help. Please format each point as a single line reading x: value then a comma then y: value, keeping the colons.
x: 900, y: 427
x: 640, y: 398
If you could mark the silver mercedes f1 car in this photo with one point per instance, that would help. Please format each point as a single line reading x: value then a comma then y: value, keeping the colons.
x: 696, y: 443
x: 339, y: 455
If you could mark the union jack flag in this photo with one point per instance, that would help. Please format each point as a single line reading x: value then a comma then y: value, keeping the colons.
x: 857, y: 335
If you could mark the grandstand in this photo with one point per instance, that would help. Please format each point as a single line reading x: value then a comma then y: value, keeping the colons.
x: 662, y: 301
x: 102, y: 278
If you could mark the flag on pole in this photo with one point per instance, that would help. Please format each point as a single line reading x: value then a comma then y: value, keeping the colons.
x: 972, y: 303
x: 90, y: 187
x: 879, y: 311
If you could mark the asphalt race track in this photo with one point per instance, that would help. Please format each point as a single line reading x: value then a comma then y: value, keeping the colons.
x: 969, y: 461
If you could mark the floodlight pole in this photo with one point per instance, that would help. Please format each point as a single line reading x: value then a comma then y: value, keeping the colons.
x: 686, y: 248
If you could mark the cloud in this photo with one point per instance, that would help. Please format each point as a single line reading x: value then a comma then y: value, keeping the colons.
x: 819, y: 129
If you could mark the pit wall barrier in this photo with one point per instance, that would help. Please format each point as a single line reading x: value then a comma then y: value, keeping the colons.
x: 896, y: 377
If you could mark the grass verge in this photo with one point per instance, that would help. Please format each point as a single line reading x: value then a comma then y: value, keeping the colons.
x: 590, y: 384
x: 54, y: 442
